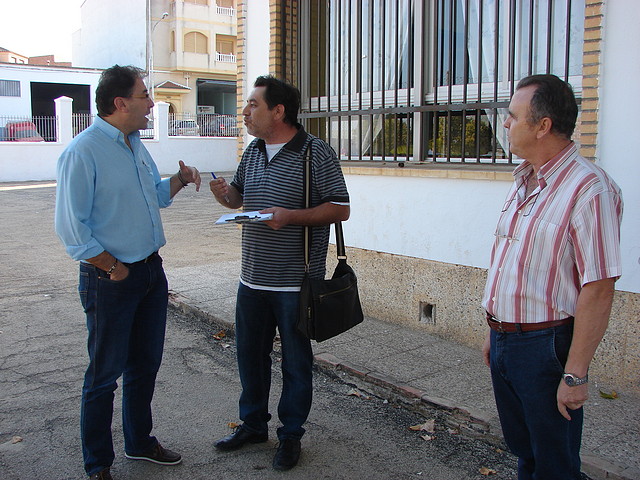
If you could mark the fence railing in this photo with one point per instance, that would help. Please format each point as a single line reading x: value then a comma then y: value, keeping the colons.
x: 80, y: 121
x: 43, y: 129
x: 203, y: 124
x: 218, y: 125
x: 15, y: 128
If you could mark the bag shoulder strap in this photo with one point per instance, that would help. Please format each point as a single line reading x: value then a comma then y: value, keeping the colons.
x: 306, y: 176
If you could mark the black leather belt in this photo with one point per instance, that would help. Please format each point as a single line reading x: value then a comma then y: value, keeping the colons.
x: 146, y: 260
x: 508, y: 327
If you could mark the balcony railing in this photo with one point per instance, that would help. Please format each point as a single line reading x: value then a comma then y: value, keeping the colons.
x: 225, y: 57
x: 229, y: 11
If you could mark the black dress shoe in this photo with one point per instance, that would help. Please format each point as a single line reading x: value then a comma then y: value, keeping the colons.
x: 239, y: 438
x: 101, y: 475
x: 287, y: 455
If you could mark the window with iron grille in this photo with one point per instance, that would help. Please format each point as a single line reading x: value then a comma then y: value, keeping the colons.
x: 9, y: 88
x: 428, y: 81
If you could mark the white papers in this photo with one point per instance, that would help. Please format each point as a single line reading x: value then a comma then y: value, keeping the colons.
x: 244, y: 217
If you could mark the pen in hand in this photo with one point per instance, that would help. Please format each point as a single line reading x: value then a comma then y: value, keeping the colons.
x: 226, y: 198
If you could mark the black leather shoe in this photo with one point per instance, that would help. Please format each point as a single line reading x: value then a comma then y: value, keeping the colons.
x: 239, y: 438
x: 102, y: 475
x: 287, y: 455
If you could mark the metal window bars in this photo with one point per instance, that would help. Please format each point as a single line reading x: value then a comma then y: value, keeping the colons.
x: 425, y: 82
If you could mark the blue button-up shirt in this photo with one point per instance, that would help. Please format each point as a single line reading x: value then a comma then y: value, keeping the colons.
x: 109, y: 196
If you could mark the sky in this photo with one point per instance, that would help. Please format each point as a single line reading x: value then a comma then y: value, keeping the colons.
x: 39, y: 27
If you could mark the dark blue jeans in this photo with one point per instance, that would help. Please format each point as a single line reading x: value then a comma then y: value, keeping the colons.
x: 258, y: 312
x: 526, y: 369
x: 126, y: 324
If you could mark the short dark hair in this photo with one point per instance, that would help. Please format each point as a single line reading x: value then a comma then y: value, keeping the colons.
x: 115, y: 82
x: 553, y: 98
x: 278, y: 92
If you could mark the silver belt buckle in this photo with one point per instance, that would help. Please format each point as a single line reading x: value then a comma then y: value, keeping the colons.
x: 499, y: 322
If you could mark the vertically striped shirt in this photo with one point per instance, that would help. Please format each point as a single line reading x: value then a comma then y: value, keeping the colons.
x: 564, y: 234
x: 274, y: 259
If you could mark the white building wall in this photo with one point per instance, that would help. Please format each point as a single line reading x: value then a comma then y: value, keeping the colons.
x: 619, y: 135
x: 444, y: 220
x: 43, y: 156
x: 256, y: 48
x: 113, y: 32
x: 24, y: 161
x: 26, y: 74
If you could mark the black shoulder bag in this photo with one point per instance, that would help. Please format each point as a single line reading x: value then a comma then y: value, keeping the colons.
x: 327, y: 307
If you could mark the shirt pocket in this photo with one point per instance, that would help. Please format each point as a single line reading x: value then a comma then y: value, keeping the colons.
x: 540, y: 245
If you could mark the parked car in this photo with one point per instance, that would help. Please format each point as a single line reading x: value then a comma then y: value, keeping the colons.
x: 23, y: 132
x: 184, y: 127
x: 220, y: 126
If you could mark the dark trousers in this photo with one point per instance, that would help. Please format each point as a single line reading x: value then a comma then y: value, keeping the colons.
x: 526, y: 369
x: 126, y: 324
x: 258, y: 312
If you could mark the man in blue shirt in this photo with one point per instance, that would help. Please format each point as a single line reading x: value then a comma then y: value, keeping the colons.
x: 107, y: 215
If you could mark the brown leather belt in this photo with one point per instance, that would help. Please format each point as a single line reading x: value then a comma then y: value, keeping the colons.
x: 507, y: 327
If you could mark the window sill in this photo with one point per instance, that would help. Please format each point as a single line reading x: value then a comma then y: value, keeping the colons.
x: 465, y: 172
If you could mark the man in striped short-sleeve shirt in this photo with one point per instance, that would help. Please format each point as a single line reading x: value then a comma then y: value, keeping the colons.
x: 550, y: 285
x: 269, y: 178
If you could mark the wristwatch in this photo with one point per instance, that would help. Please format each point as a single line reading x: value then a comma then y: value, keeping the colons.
x: 574, y: 380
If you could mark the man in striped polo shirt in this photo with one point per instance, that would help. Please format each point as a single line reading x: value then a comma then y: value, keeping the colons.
x: 550, y: 285
x: 269, y: 178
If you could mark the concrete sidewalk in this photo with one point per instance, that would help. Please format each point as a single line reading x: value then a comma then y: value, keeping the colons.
x: 393, y: 361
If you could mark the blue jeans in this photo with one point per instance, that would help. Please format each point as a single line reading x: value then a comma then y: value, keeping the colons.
x: 526, y: 369
x: 258, y: 312
x: 126, y: 325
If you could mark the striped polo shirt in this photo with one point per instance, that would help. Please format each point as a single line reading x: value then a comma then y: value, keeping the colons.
x: 274, y: 259
x: 564, y: 234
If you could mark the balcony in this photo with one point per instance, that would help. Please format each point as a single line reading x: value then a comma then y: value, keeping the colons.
x: 191, y: 10
x: 203, y: 62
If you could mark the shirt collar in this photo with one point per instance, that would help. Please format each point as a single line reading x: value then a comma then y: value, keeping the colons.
x: 550, y: 168
x: 296, y: 144
x: 112, y: 132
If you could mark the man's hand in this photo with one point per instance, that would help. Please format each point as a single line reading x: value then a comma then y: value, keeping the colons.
x: 486, y: 349
x: 281, y: 217
x: 220, y: 189
x: 324, y: 214
x: 591, y: 320
x: 571, y: 398
x: 104, y: 261
x: 190, y: 175
x: 119, y: 273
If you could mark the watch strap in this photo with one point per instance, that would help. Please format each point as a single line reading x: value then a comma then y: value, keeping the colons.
x: 573, y: 380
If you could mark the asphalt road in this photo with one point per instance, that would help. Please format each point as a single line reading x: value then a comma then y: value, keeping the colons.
x: 43, y: 357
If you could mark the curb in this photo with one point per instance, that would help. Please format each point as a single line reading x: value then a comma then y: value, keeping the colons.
x: 469, y: 422
x: 466, y: 421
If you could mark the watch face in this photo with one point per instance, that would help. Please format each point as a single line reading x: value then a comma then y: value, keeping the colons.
x: 573, y: 381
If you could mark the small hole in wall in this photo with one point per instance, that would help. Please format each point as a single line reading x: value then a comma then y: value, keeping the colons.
x: 427, y: 313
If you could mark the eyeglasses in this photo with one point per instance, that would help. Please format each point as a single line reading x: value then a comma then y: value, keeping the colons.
x: 526, y: 210
x: 145, y: 96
